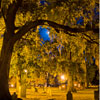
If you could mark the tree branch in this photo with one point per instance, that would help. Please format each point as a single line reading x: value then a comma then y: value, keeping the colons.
x: 11, y: 14
x: 91, y: 40
x: 33, y: 24
x: 0, y: 4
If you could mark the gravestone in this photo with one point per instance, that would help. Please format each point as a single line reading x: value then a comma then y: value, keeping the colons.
x: 69, y: 96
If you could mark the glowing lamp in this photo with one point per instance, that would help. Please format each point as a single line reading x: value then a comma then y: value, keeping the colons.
x: 25, y: 70
x: 75, y: 84
x: 12, y: 85
x: 63, y: 86
x: 79, y: 85
x: 62, y: 77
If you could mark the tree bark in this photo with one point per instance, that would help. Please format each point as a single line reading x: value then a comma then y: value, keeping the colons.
x: 18, y: 85
x: 5, y: 59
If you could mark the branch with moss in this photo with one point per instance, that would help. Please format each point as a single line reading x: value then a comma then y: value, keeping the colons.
x: 68, y: 30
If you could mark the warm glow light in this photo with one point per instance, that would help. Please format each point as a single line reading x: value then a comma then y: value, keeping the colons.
x: 79, y: 85
x: 12, y: 85
x: 25, y: 70
x: 75, y: 84
x: 63, y: 86
x: 62, y: 77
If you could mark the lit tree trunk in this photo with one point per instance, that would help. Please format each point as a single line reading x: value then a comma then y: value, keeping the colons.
x: 18, y: 85
x: 21, y: 85
x: 5, y: 59
x: 70, y: 83
x: 71, y: 74
x: 23, y: 90
x: 87, y: 80
x: 85, y: 74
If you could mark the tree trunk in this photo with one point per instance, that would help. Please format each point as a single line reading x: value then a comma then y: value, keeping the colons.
x: 70, y: 83
x: 18, y: 85
x: 5, y: 59
x: 23, y: 90
x: 87, y: 80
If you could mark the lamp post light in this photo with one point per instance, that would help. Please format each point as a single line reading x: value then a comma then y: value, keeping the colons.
x: 63, y: 82
x: 25, y: 70
x: 62, y: 77
x: 12, y: 85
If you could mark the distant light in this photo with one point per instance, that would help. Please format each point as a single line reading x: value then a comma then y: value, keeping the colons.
x: 25, y: 70
x: 62, y: 77
x: 12, y: 85
x: 79, y: 85
x: 48, y: 32
x: 44, y: 34
x: 63, y: 86
x: 75, y: 84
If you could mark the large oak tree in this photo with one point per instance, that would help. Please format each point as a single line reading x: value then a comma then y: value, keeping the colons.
x: 9, y: 11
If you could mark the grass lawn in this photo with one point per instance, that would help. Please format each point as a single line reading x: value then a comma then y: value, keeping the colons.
x: 56, y: 94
